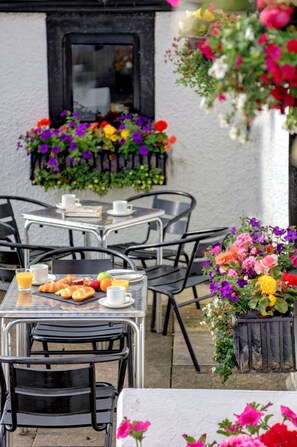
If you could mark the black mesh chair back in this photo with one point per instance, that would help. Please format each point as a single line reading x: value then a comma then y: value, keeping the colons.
x: 59, y: 398
x: 81, y: 266
x: 171, y: 280
x: 178, y: 207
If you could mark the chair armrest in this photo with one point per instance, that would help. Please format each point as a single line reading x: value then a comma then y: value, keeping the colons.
x: 208, y: 230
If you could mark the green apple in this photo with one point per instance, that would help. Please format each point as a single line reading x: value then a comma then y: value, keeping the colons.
x: 103, y: 275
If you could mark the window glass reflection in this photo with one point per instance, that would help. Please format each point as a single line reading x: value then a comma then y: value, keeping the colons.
x: 102, y: 79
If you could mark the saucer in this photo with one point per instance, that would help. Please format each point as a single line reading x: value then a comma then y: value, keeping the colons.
x: 104, y: 303
x: 59, y: 205
x: 112, y: 213
x: 49, y: 278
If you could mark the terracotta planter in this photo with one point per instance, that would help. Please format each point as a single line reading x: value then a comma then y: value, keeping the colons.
x: 264, y: 344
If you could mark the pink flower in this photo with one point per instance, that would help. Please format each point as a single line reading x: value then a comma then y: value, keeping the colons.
x: 289, y: 414
x: 293, y: 259
x: 242, y: 240
x: 262, y: 39
x: 249, y: 416
x: 206, y: 49
x: 273, y: 51
x: 259, y: 269
x: 249, y: 262
x: 238, y: 61
x: 276, y: 17
x: 215, y: 250
x: 288, y: 72
x: 124, y: 429
x: 231, y: 272
x: 141, y: 426
x: 174, y: 3
x: 292, y: 46
x: 269, y: 262
x: 196, y: 444
x: 241, y: 441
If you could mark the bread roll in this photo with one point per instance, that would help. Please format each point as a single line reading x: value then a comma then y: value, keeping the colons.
x: 67, y: 292
x: 82, y: 293
x: 52, y: 287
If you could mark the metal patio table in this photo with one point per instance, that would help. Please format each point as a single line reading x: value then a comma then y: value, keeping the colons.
x: 19, y: 309
x: 100, y: 228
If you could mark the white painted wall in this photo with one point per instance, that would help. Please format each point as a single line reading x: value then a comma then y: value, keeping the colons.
x: 228, y: 179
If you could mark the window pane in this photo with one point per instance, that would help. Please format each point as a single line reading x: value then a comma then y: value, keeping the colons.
x: 102, y: 78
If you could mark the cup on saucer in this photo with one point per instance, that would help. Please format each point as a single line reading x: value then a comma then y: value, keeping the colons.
x: 121, y: 207
x: 40, y: 273
x: 117, y: 295
x: 69, y: 200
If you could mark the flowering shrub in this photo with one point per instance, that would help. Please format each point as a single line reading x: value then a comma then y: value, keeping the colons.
x: 249, y: 429
x: 248, y: 60
x: 248, y: 272
x: 68, y: 154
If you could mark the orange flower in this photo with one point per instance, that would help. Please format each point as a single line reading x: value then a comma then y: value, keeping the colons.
x: 94, y: 126
x: 43, y: 122
x: 172, y: 139
x: 224, y: 258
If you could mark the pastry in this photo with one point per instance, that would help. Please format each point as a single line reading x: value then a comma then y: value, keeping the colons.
x: 52, y: 287
x: 82, y: 293
x: 68, y: 280
x: 67, y: 291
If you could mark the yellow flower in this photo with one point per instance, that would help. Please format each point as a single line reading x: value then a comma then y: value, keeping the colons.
x: 114, y: 137
x: 272, y: 300
x: 267, y: 284
x: 206, y: 15
x: 109, y: 130
x: 125, y: 133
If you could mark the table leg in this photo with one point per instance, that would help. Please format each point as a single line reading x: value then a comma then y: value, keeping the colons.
x: 158, y: 296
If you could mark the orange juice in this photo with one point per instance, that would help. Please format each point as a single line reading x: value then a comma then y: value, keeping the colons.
x: 24, y: 279
x: 120, y: 282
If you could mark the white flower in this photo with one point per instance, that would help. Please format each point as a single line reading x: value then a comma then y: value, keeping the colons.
x: 189, y: 13
x: 249, y: 34
x: 219, y: 68
x: 203, y: 105
x: 233, y: 133
x: 243, y: 138
x: 181, y: 25
x: 223, y: 121
x: 129, y: 64
x: 240, y: 101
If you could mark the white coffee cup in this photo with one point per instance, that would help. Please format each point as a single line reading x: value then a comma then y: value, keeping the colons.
x: 117, y: 295
x: 121, y: 207
x: 69, y: 200
x: 40, y: 272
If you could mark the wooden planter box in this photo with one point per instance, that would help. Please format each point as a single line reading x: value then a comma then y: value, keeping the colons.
x: 107, y: 162
x: 264, y: 344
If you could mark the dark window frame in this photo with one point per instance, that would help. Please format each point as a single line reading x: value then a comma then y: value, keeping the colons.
x: 100, y: 26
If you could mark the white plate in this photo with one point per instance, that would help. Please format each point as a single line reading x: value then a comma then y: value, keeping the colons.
x: 49, y: 278
x: 129, y: 277
x: 112, y: 213
x: 104, y: 303
x: 121, y: 272
x: 59, y: 205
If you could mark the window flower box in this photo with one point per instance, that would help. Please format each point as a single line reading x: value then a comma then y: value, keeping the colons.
x: 118, y: 151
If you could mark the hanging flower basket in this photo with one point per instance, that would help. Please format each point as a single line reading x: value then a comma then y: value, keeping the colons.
x: 118, y: 151
x: 265, y: 344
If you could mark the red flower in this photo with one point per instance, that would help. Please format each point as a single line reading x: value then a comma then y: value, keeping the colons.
x: 222, y: 98
x: 43, y: 122
x: 275, y: 17
x: 290, y: 278
x: 103, y: 124
x: 172, y: 139
x: 265, y: 79
x: 238, y: 61
x: 288, y: 72
x: 206, y: 49
x: 273, y: 51
x: 292, y: 46
x: 160, y: 126
x: 280, y: 93
x: 262, y: 39
x: 279, y: 436
x: 274, y: 70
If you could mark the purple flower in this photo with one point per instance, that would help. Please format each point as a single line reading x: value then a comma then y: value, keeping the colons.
x: 72, y: 124
x: 63, y: 137
x: 291, y: 235
x: 81, y: 130
x: 279, y: 248
x: 226, y: 291
x: 19, y: 145
x: 254, y: 222
x: 206, y: 263
x: 122, y: 141
x: 64, y: 113
x: 56, y: 169
x: 122, y: 126
x: 147, y: 128
x: 71, y: 160
x: 233, y: 230
x: 143, y: 150
x: 55, y: 131
x: 76, y: 115
x: 52, y: 161
x: 137, y: 138
x: 87, y: 154
x: 56, y: 149
x: 72, y: 146
x: 214, y: 288
x: 43, y: 148
x: 45, y: 134
x: 242, y: 282
x: 278, y: 231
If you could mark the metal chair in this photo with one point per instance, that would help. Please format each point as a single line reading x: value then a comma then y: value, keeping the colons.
x: 171, y: 280
x: 178, y: 207
x: 72, y: 333
x: 9, y: 205
x: 59, y: 397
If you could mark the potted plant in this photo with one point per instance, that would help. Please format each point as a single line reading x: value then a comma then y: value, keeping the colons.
x: 117, y: 151
x: 247, y: 60
x: 251, y: 309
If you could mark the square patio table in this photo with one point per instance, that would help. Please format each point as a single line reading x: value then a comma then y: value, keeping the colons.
x: 19, y: 308
x: 100, y: 228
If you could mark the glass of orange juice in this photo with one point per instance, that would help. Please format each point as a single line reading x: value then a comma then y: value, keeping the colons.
x: 120, y: 282
x: 24, y: 279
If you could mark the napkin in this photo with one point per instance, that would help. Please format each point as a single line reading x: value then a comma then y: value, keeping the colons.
x: 84, y: 211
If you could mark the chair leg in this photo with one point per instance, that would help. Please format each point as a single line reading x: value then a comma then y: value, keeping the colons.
x: 153, y: 317
x: 185, y: 334
x: 108, y: 436
x: 130, y: 359
x: 196, y: 297
x: 166, y: 319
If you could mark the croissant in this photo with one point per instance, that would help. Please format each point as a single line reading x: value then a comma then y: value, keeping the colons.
x: 83, y: 293
x: 67, y: 292
x: 52, y: 287
x: 68, y: 280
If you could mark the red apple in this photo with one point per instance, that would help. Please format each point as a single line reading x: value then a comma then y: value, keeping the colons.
x: 94, y: 283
